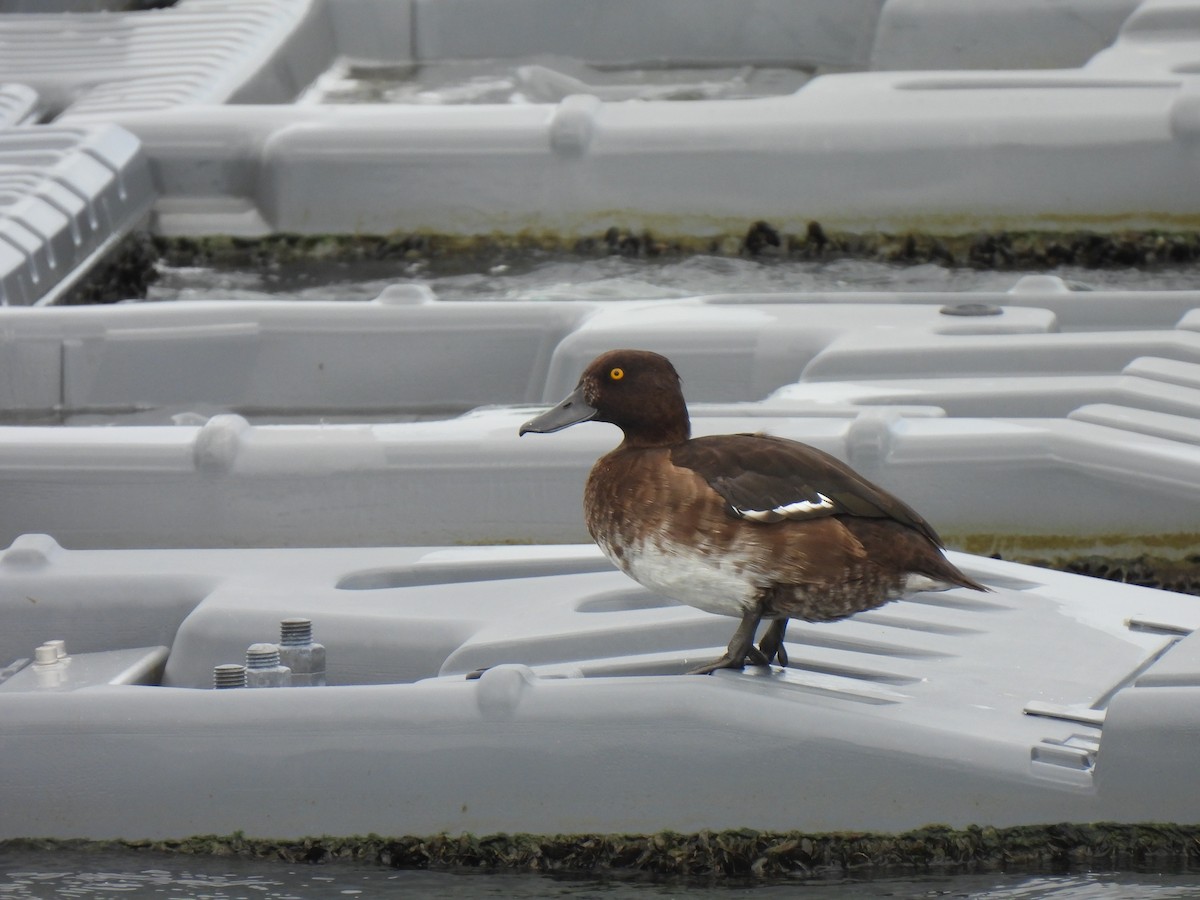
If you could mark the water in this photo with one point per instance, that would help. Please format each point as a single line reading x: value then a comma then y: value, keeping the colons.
x: 142, y: 876
x: 541, y: 79
x: 617, y: 278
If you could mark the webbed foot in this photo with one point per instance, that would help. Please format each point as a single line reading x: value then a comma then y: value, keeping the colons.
x: 723, y: 663
x: 771, y: 645
x: 741, y: 648
x: 752, y: 657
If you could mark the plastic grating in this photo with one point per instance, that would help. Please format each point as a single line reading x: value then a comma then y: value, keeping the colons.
x: 66, y: 196
x: 98, y: 65
x: 18, y: 104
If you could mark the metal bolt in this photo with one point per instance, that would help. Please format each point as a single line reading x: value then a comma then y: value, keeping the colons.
x: 229, y: 675
x: 300, y: 653
x: 263, y: 668
x: 293, y: 632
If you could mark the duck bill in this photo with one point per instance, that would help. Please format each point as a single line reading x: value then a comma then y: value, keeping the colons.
x: 573, y: 410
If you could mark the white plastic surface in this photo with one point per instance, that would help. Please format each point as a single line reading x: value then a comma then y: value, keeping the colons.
x: 1146, y: 383
x: 67, y: 195
x: 98, y: 65
x: 1019, y: 34
x: 956, y: 152
x: 956, y: 708
x: 1094, y: 396
x: 813, y: 33
x: 18, y: 103
x: 1019, y: 118
x: 139, y: 665
x: 304, y: 358
x: 406, y: 353
x: 1093, y: 480
x: 71, y: 6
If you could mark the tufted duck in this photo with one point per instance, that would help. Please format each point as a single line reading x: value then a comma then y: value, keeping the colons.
x: 744, y: 525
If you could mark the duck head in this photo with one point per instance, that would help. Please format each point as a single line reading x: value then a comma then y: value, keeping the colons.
x: 636, y: 390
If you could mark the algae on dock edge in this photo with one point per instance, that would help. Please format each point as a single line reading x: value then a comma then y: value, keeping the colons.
x: 132, y: 266
x: 709, y: 854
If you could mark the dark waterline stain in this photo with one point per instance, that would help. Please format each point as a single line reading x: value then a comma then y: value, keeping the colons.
x: 155, y: 267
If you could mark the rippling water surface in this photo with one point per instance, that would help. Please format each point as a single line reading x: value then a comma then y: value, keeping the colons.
x: 541, y: 79
x: 620, y: 278
x: 142, y: 876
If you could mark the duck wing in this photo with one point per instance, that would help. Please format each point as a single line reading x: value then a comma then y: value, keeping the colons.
x: 768, y: 479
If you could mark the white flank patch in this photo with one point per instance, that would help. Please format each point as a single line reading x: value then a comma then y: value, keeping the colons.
x: 917, y: 583
x: 713, y: 582
x: 782, y: 512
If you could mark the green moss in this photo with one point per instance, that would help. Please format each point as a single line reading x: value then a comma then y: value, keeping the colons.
x: 1181, y: 576
x: 983, y: 250
x: 721, y: 854
x: 1167, y: 561
x: 1147, y: 568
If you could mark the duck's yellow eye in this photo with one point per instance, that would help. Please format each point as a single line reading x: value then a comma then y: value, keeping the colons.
x: 617, y: 374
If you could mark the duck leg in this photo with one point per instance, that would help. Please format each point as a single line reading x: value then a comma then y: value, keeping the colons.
x: 740, y: 648
x: 771, y: 645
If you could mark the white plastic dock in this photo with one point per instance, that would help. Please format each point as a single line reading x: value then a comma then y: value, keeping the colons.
x: 408, y: 353
x: 18, y: 104
x: 68, y: 195
x: 101, y: 64
x: 1064, y: 418
x: 208, y: 469
x: 1077, y: 114
x: 1098, y: 481
x: 909, y: 114
x: 1055, y: 698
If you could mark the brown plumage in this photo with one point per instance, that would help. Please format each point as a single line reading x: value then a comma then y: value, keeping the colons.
x: 746, y: 525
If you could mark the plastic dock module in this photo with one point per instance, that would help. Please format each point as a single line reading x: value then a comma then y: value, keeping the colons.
x: 406, y: 353
x: 96, y: 65
x: 1054, y: 698
x: 897, y: 114
x: 1148, y: 383
x: 268, y: 51
x: 1051, y: 414
x: 1107, y: 475
x: 931, y: 152
x: 18, y: 103
x: 67, y: 195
